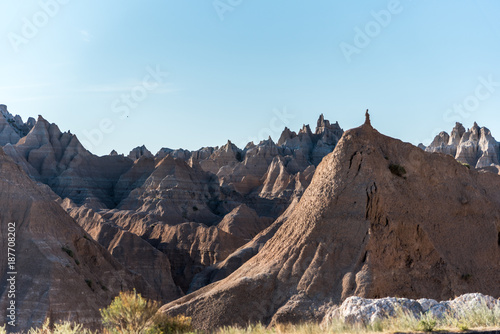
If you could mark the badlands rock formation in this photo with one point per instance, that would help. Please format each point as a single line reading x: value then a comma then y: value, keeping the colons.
x: 12, y: 128
x: 244, y: 223
x: 224, y: 195
x: 140, y: 151
x: 61, y: 272
x: 271, y: 232
x: 475, y: 147
x: 380, y: 218
x: 130, y: 250
x: 60, y: 161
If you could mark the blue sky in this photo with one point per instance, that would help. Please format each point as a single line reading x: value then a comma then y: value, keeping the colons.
x: 242, y: 70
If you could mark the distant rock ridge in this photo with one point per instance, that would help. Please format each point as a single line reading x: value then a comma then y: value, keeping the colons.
x: 475, y: 147
x: 59, y: 160
x: 138, y: 152
x: 12, y: 128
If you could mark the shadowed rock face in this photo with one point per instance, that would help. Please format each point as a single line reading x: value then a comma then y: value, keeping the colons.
x: 380, y: 218
x: 12, y: 128
x: 61, y: 272
x: 131, y: 251
x: 244, y: 223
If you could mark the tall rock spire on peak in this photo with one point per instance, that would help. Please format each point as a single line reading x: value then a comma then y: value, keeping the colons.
x: 322, y: 124
x: 367, y: 118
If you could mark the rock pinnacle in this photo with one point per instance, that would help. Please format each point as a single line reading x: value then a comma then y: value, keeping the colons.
x: 367, y: 118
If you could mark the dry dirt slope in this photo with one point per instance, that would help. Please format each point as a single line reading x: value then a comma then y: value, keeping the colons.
x: 380, y: 218
x: 61, y: 272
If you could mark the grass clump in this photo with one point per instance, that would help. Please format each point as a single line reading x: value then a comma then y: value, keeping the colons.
x: 130, y: 313
x: 65, y: 327
x: 466, y: 318
x: 480, y: 316
x: 171, y: 325
x: 427, y: 323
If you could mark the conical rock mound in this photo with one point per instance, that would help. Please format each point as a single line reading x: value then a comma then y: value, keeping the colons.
x: 380, y: 218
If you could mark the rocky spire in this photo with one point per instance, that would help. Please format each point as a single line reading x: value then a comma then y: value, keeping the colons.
x: 138, y: 152
x: 367, y: 118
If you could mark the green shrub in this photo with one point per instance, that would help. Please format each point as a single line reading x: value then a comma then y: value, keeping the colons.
x: 465, y: 164
x: 68, y: 251
x: 466, y: 277
x: 397, y: 170
x: 129, y: 313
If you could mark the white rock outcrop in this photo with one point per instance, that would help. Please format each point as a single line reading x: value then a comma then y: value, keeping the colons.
x: 356, y: 310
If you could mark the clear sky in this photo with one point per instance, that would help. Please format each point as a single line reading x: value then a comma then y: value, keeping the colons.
x: 243, y: 69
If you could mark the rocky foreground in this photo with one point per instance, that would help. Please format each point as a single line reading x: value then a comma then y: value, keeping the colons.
x: 271, y: 233
x: 357, y: 310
